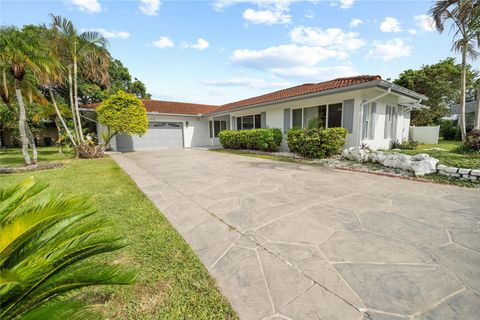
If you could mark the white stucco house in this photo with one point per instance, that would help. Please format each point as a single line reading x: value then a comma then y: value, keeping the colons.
x: 374, y: 111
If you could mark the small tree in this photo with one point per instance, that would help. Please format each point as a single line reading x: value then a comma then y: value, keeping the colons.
x: 123, y: 113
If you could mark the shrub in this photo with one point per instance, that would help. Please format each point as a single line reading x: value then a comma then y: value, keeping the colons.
x: 317, y: 143
x: 406, y: 145
x: 472, y: 140
x: 47, y: 242
x: 268, y: 139
x: 450, y: 130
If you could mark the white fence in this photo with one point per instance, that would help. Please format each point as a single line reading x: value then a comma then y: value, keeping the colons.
x: 424, y: 134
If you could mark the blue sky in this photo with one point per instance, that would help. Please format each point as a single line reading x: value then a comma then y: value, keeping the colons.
x: 220, y: 51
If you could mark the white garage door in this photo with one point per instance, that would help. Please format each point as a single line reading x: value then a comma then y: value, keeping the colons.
x: 160, y: 135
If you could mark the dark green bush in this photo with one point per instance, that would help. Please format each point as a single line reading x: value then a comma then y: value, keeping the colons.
x: 472, y: 140
x: 268, y: 139
x: 317, y: 143
x: 450, y: 130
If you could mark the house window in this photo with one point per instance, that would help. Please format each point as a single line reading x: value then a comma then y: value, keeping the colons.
x: 310, y: 117
x: 258, y: 121
x: 368, y: 117
x: 210, y: 129
x: 316, y: 117
x: 335, y: 115
x: 249, y: 122
x: 219, y: 125
x: 297, y: 118
x: 389, y: 131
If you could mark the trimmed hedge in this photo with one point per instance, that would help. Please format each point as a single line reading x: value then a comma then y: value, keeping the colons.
x: 268, y: 139
x: 317, y: 143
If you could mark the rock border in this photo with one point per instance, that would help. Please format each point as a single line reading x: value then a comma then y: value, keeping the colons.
x: 459, y: 173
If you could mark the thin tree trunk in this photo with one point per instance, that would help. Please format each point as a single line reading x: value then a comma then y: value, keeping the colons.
x: 22, y: 123
x: 72, y: 105
x: 477, y: 111
x: 31, y: 142
x: 75, y: 96
x: 5, y: 88
x: 462, y: 94
x: 54, y: 102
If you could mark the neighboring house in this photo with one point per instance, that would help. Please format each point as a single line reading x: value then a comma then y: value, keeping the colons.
x: 469, y: 112
x: 374, y: 111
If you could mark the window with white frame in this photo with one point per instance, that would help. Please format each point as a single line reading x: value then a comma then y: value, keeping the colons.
x: 323, y: 116
x: 249, y: 122
x: 219, y: 125
x: 369, y: 111
x: 390, y: 116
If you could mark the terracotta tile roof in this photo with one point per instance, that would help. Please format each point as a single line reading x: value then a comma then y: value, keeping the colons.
x: 299, y: 90
x: 169, y: 107
x: 194, y: 108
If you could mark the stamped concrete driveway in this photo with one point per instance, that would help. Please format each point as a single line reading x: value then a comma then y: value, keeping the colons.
x: 290, y: 241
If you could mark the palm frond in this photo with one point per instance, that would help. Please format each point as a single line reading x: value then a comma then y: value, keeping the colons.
x: 46, y: 241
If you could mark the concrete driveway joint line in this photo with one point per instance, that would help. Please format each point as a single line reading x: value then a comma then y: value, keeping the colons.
x: 326, y: 243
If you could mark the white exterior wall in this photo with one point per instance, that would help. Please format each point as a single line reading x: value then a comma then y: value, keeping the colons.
x: 401, y: 126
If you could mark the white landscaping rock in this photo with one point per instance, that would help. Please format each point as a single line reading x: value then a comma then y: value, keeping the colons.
x: 424, y: 165
x: 356, y: 154
x: 420, y: 164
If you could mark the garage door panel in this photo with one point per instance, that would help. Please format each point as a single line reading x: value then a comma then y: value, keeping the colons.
x: 160, y: 135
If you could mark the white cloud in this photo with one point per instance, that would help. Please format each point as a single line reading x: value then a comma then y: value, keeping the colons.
x: 267, y: 16
x: 424, y: 22
x: 309, y: 14
x: 345, y: 4
x: 91, y: 6
x: 219, y: 5
x: 110, y: 34
x: 315, y: 74
x: 412, y: 31
x: 391, y: 49
x: 390, y: 25
x: 355, y: 22
x: 332, y: 38
x: 247, y: 82
x: 290, y: 55
x: 163, y: 42
x: 201, y: 44
x: 149, y: 7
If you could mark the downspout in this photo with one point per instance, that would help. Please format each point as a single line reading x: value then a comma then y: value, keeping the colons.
x: 361, y: 112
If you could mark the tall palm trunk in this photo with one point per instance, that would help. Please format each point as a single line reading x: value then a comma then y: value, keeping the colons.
x: 75, y: 96
x: 31, y: 141
x: 477, y: 111
x: 22, y: 122
x: 59, y: 115
x: 72, y: 105
x: 462, y: 93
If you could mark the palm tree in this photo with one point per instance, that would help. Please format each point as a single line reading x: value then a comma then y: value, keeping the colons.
x: 20, y: 52
x: 465, y: 18
x: 55, y: 74
x: 5, y: 95
x: 46, y: 244
x: 78, y: 48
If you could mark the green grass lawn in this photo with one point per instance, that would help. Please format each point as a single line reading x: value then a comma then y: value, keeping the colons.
x: 13, y: 157
x: 172, y: 282
x: 448, y: 156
